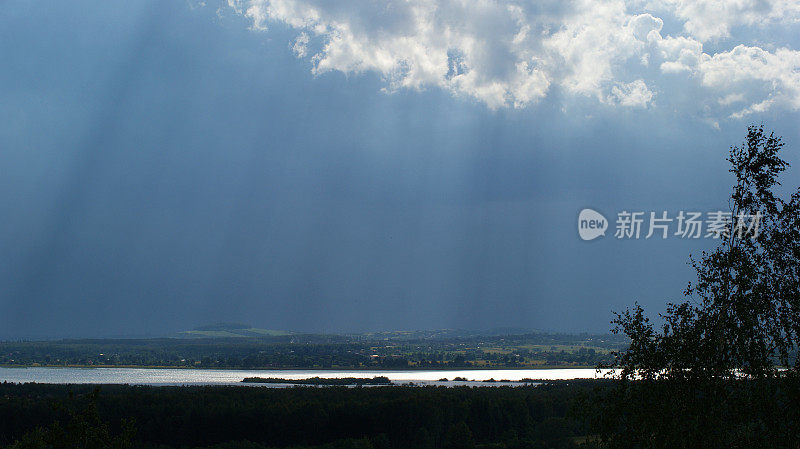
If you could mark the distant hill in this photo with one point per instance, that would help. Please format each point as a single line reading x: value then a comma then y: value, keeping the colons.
x: 230, y: 330
x: 438, y: 334
x: 222, y: 327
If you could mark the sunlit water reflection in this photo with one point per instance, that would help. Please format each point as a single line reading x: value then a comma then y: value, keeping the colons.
x: 166, y: 376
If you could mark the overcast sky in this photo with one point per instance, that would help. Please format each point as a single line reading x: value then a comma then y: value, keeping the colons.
x: 320, y: 165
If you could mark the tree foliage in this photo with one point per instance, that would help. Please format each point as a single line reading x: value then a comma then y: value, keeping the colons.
x: 721, y: 370
x: 396, y: 417
x: 742, y: 314
x: 83, y: 429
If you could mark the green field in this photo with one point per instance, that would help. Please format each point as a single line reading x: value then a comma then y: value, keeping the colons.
x: 248, y: 347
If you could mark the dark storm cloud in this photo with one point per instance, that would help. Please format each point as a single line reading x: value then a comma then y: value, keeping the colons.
x: 164, y: 167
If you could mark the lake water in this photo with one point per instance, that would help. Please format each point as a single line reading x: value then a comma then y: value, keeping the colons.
x: 166, y: 376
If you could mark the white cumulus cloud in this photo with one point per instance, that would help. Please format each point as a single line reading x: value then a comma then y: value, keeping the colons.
x: 634, y: 94
x: 714, y: 19
x: 514, y: 53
